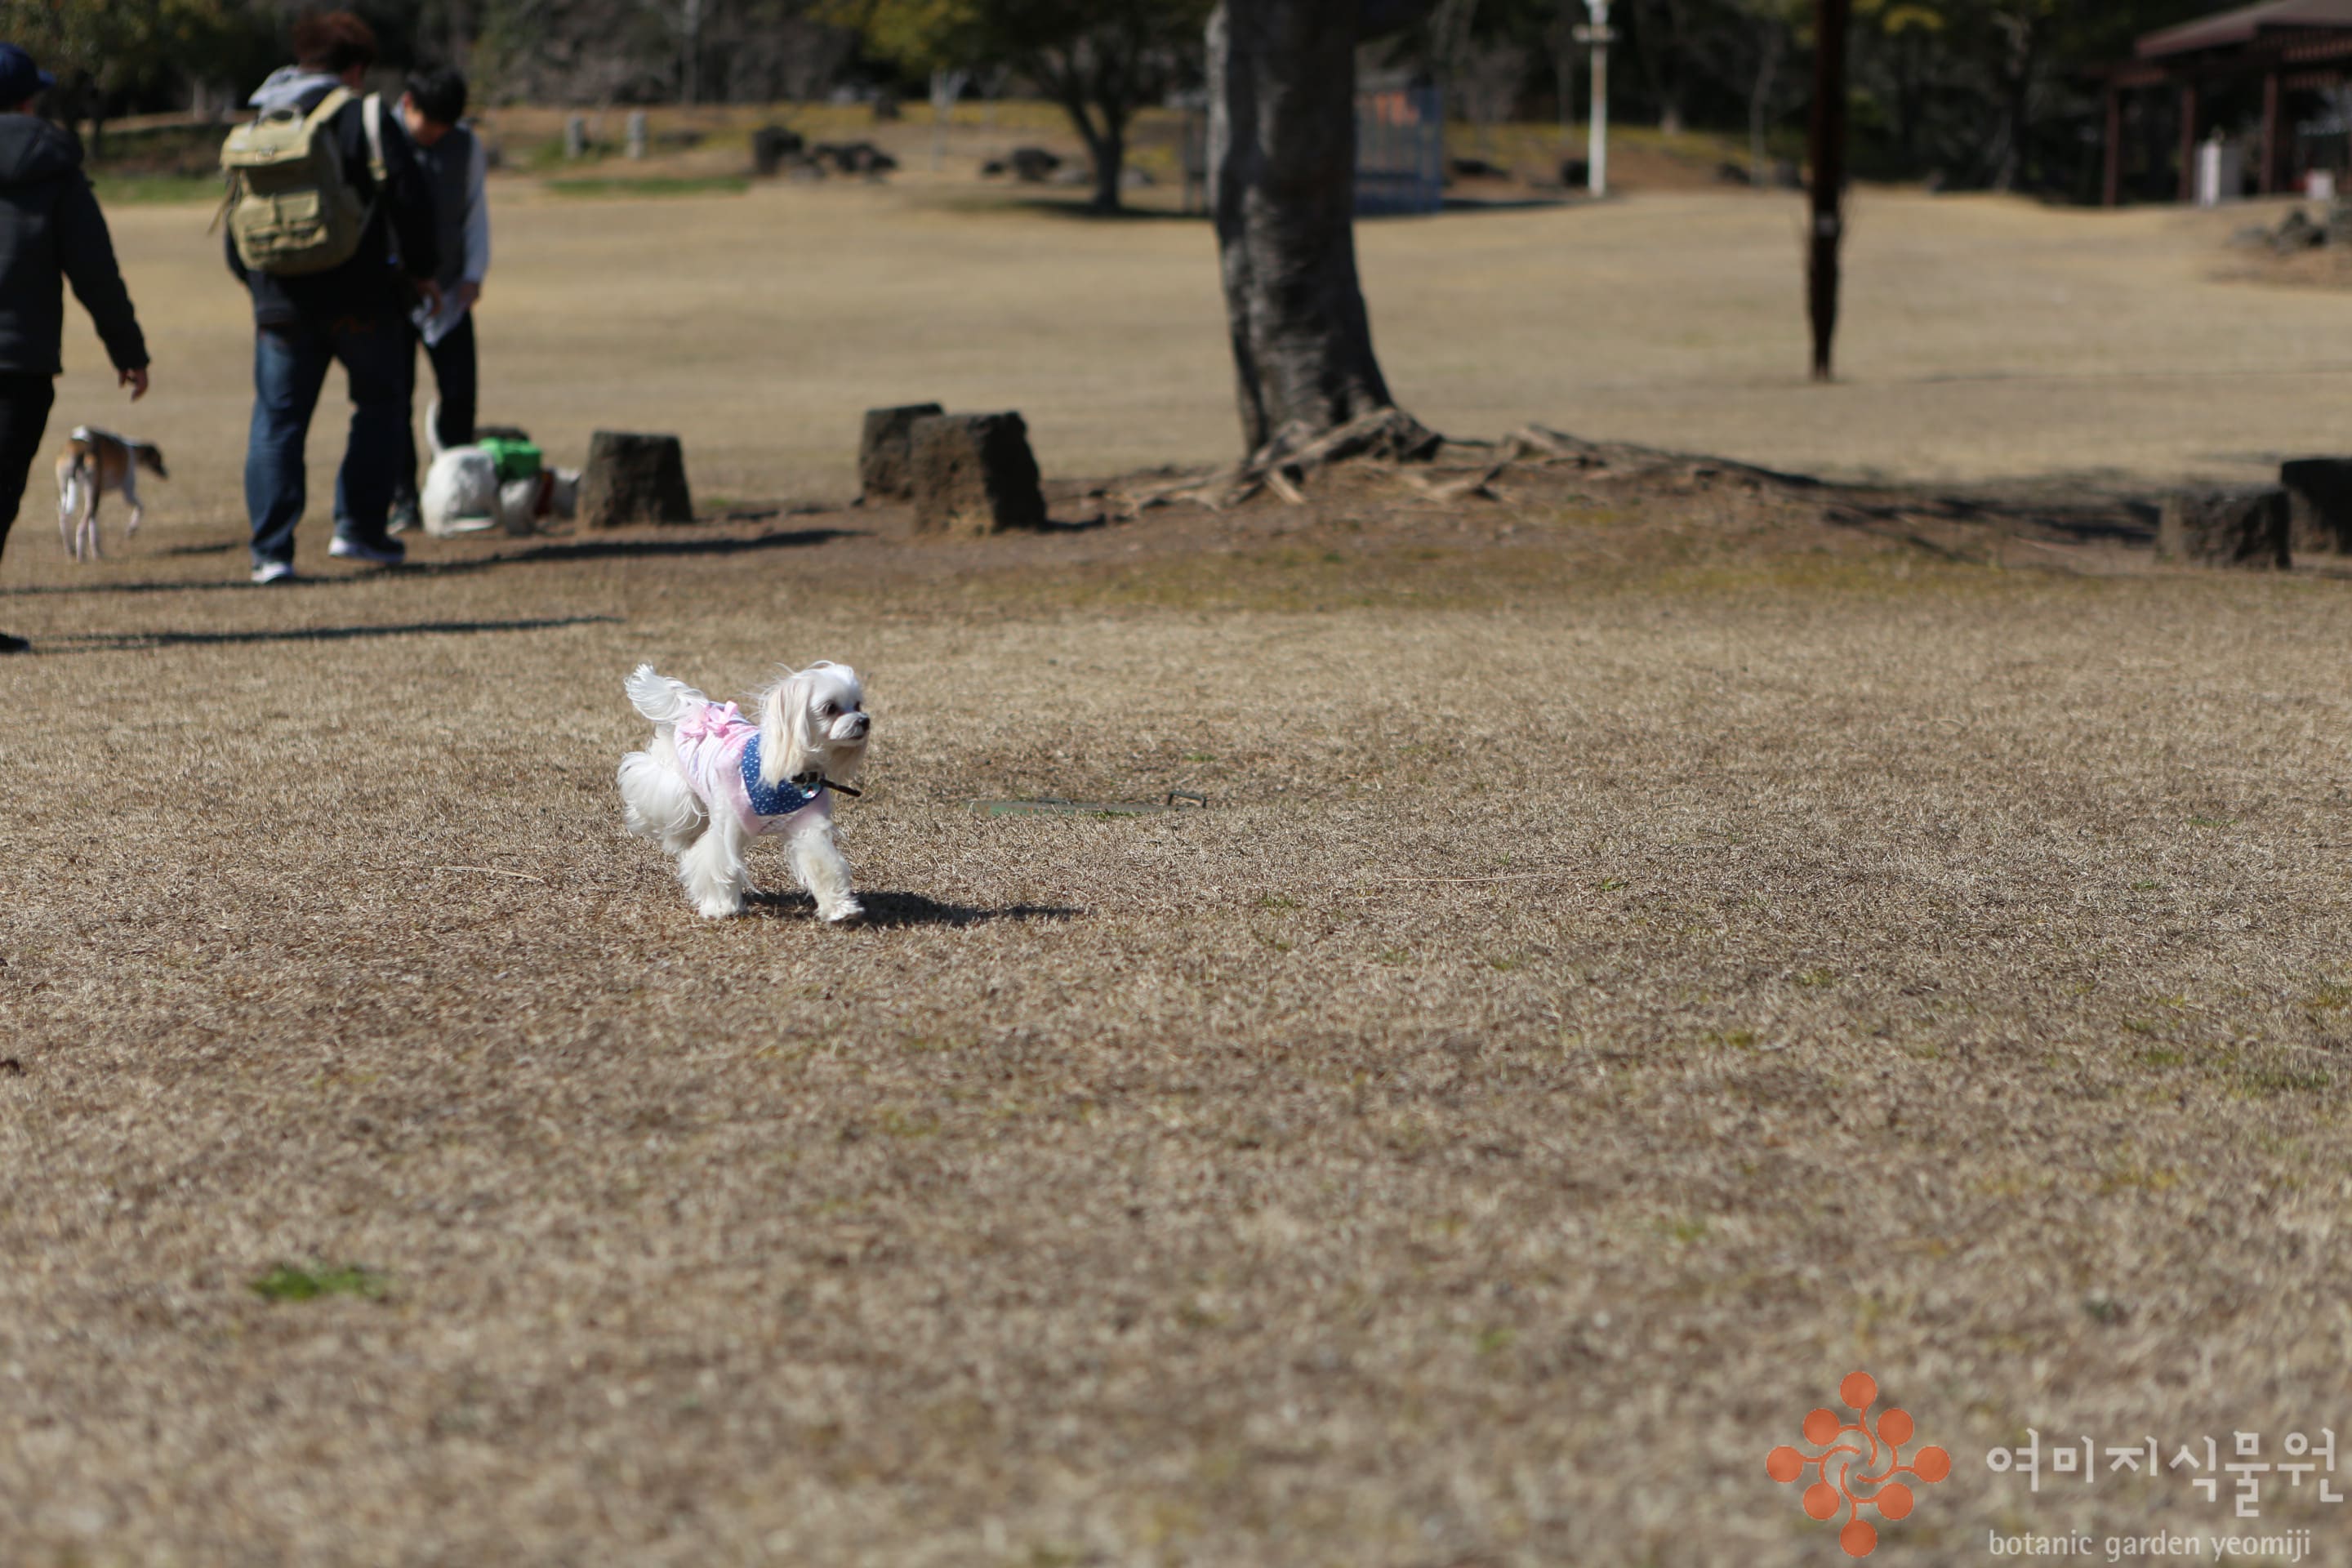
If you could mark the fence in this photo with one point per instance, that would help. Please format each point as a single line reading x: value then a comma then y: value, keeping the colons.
x: 1399, y: 150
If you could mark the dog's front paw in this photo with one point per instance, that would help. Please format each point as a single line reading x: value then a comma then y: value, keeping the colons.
x: 717, y: 909
x: 844, y: 911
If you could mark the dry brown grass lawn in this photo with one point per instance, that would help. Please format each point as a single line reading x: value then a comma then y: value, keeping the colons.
x: 1983, y: 339
x: 1646, y: 955
x: 1651, y: 950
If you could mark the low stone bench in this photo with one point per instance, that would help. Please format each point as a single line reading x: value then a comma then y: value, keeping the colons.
x: 885, y: 451
x: 2244, y: 526
x: 2319, y: 505
x: 973, y: 473
x: 634, y: 479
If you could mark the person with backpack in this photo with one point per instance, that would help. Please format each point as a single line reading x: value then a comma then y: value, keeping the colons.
x: 51, y: 232
x: 331, y: 229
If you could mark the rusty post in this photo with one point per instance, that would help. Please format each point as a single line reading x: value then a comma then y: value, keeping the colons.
x: 1829, y: 175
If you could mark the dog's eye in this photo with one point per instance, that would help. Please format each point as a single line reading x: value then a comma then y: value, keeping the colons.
x: 825, y: 707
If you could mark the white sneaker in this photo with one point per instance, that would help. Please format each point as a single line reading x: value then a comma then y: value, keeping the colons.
x: 389, y: 553
x: 273, y: 571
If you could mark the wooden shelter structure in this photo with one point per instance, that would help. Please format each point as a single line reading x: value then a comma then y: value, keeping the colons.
x: 2288, y: 46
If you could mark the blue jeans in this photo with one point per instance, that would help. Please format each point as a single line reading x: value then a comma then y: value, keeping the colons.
x: 290, y: 368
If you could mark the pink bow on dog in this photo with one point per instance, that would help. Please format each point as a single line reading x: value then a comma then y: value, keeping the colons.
x: 712, y: 720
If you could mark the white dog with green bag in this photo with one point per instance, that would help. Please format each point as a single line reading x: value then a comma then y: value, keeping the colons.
x: 498, y: 481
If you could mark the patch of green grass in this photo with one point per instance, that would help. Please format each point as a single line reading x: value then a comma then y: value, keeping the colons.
x: 1495, y: 1341
x: 898, y: 1123
x: 1686, y: 1229
x: 654, y: 185
x: 2212, y: 822
x: 1813, y: 979
x: 288, y: 1283
x: 2137, y: 1178
x: 2263, y: 1082
x: 1277, y: 901
x: 2330, y: 998
x: 2162, y: 1057
x: 1608, y: 884
x: 925, y: 1045
x: 546, y: 157
x: 124, y: 190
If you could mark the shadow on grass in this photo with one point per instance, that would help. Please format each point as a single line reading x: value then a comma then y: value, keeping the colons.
x: 569, y: 551
x: 623, y: 549
x: 1086, y: 212
x: 891, y: 911
x: 124, y: 642
x: 2114, y: 522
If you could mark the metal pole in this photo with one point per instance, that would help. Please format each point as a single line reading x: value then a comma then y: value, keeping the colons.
x: 1565, y: 68
x: 2111, y: 190
x: 1597, y: 152
x: 1829, y: 175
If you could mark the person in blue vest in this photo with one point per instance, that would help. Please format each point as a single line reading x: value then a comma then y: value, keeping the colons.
x: 457, y: 166
x: 51, y: 233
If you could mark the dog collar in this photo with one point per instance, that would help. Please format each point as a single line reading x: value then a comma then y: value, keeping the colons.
x: 779, y: 799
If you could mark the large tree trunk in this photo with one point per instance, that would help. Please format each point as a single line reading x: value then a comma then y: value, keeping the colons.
x: 1282, y: 168
x: 1110, y: 149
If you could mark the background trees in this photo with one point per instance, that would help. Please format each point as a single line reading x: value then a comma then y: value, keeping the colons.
x: 1971, y: 92
x: 1099, y: 60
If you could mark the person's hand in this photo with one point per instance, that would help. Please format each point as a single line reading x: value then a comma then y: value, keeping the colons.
x: 430, y: 292
x: 467, y: 292
x: 136, y: 380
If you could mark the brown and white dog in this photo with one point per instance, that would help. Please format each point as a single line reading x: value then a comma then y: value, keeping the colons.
x: 94, y: 462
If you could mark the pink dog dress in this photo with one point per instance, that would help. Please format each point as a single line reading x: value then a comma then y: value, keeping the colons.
x: 718, y: 755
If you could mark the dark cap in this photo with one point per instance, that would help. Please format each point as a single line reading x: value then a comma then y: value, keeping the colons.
x: 20, y: 79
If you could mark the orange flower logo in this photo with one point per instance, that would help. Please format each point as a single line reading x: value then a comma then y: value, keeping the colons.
x: 1851, y: 1472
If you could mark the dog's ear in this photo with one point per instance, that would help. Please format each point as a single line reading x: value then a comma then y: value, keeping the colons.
x: 785, y: 751
x: 151, y: 457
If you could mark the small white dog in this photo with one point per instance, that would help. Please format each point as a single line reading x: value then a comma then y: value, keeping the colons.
x: 94, y: 462
x: 461, y: 493
x: 711, y: 780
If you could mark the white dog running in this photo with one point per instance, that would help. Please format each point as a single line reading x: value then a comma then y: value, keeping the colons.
x: 711, y: 781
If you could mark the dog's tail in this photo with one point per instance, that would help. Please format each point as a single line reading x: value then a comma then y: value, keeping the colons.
x: 432, y: 425
x: 660, y: 699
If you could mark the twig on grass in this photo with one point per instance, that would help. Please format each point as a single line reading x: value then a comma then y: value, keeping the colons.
x: 494, y: 871
x: 1500, y: 877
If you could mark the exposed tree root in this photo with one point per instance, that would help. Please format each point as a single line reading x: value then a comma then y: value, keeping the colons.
x: 1443, y: 469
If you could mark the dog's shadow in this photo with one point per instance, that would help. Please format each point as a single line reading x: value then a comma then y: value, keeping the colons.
x: 890, y: 911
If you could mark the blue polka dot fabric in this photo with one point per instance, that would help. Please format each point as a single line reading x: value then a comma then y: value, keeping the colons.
x: 779, y: 799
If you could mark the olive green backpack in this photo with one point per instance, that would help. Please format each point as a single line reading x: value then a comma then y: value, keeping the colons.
x: 289, y: 210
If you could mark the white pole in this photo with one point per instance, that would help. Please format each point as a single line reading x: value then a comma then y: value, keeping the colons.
x: 1596, y: 154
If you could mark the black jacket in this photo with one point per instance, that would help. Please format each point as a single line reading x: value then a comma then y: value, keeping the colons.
x: 370, y: 283
x: 51, y: 230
